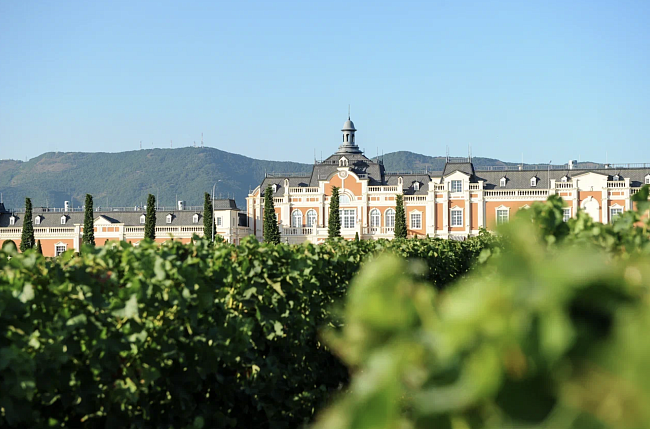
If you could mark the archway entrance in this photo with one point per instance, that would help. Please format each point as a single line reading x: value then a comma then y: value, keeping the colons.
x: 592, y: 207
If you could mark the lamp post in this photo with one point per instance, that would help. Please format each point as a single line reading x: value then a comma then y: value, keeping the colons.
x: 548, y: 175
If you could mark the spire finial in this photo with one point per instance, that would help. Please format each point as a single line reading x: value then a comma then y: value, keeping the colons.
x: 348, y: 112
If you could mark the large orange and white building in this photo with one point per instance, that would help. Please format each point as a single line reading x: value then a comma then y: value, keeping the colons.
x: 454, y: 203
x: 61, y: 229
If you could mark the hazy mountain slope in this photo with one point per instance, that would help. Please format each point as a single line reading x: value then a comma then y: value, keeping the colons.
x: 407, y: 161
x: 125, y: 178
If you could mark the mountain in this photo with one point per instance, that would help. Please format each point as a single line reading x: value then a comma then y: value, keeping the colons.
x: 124, y: 179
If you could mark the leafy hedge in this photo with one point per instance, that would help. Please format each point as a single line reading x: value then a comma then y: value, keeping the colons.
x: 550, y: 333
x: 184, y: 335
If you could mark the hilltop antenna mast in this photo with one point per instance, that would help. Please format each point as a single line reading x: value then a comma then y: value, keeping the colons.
x: 348, y: 112
x: 201, y: 139
x: 140, y: 144
x: 171, y: 144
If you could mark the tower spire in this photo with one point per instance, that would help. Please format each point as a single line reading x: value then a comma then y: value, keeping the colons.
x: 348, y: 112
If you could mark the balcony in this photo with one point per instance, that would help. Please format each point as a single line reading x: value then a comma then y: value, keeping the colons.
x: 382, y: 188
x: 616, y: 184
x: 518, y: 193
x: 561, y: 185
x: 293, y: 231
x: 378, y: 230
x: 304, y: 190
x: 412, y: 198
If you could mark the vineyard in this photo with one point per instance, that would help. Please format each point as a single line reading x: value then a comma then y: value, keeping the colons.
x: 542, y: 327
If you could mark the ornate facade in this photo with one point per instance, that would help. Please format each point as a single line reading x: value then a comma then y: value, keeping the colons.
x: 453, y: 203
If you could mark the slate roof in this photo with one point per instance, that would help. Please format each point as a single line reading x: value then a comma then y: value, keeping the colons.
x: 520, y: 179
x: 129, y: 218
x: 464, y: 167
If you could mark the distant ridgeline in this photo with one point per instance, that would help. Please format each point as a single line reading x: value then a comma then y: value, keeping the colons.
x: 125, y: 178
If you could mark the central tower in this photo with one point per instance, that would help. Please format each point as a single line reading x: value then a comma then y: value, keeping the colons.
x: 349, y: 145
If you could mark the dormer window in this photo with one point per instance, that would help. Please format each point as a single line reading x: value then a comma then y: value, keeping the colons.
x: 142, y: 218
x: 343, y: 162
x: 275, y: 188
x: 12, y: 220
x: 63, y: 219
x: 647, y: 179
x: 564, y: 179
x: 416, y: 186
x: 617, y: 177
x: 502, y: 182
x: 195, y: 218
x: 168, y: 219
x: 37, y: 220
x: 533, y: 181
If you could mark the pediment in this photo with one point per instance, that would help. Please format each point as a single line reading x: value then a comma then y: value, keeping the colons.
x: 102, y: 220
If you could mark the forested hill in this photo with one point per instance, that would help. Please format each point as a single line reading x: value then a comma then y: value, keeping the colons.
x: 125, y: 178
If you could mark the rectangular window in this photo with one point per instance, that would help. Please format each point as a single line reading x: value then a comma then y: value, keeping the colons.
x: 566, y: 214
x: 615, y: 211
x: 502, y: 216
x: 416, y: 220
x: 456, y: 218
x: 219, y: 221
x: 59, y: 249
x: 348, y: 218
x: 456, y: 186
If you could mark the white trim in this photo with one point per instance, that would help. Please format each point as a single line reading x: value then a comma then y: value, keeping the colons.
x: 64, y: 219
x: 451, y: 185
x: 37, y: 220
x: 12, y: 220
x: 296, y: 224
x: 143, y: 219
x: 616, y: 207
x: 564, y: 214
x: 386, y: 217
x: 451, y: 216
x: 533, y: 182
x: 307, y: 215
x: 502, y: 182
x: 168, y: 218
x: 195, y: 218
x: 415, y: 212
x: 647, y: 179
x: 375, y: 213
x: 56, y: 248
x: 496, y: 214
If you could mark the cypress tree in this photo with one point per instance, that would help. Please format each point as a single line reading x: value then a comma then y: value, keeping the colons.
x: 334, y: 223
x: 356, y: 236
x: 39, y: 249
x: 89, y: 222
x: 208, y: 218
x: 150, y: 218
x: 400, y: 217
x: 27, y: 238
x: 270, y: 223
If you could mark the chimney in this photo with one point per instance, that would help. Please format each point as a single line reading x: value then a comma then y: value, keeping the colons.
x: 66, y: 206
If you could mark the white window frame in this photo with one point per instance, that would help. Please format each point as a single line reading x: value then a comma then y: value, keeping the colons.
x: 63, y: 220
x: 296, y: 219
x: 502, y: 182
x: 12, y: 220
x: 507, y: 214
x: 344, y: 199
x: 533, y: 182
x: 564, y: 179
x: 195, y: 218
x: 617, y: 177
x: 456, y: 210
x: 58, y: 247
x: 348, y: 218
x: 647, y: 179
x: 37, y: 220
x: 389, y: 218
x: 375, y: 218
x: 219, y: 221
x: 456, y: 186
x: 614, y: 211
x: 275, y: 188
x: 415, y: 219
x: 143, y: 218
x: 566, y: 214
x: 416, y: 186
x: 168, y: 218
x: 311, y: 218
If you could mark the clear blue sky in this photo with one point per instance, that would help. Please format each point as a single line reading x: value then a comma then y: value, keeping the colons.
x: 273, y: 79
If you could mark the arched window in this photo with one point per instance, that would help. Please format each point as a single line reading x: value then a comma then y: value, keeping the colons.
x: 389, y: 218
x: 533, y: 181
x: 312, y: 218
x: 416, y: 186
x: 375, y: 218
x: 296, y: 219
x: 168, y: 219
x: 12, y: 220
x: 275, y: 188
x: 344, y: 199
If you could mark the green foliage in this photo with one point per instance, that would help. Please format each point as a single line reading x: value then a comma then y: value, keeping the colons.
x: 549, y: 333
x: 27, y: 237
x: 150, y: 218
x: 271, y: 230
x: 400, y: 217
x: 167, y: 336
x: 209, y: 227
x: 9, y: 246
x: 334, y: 220
x: 356, y: 236
x: 89, y: 222
x: 39, y: 249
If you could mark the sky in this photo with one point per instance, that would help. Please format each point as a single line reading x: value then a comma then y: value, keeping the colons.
x: 543, y: 80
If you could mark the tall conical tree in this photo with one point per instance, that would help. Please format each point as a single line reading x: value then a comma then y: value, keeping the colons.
x: 39, y: 249
x: 27, y: 238
x: 208, y: 218
x: 270, y: 223
x: 356, y: 236
x: 334, y: 222
x: 150, y: 218
x: 89, y: 222
x: 400, y: 217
